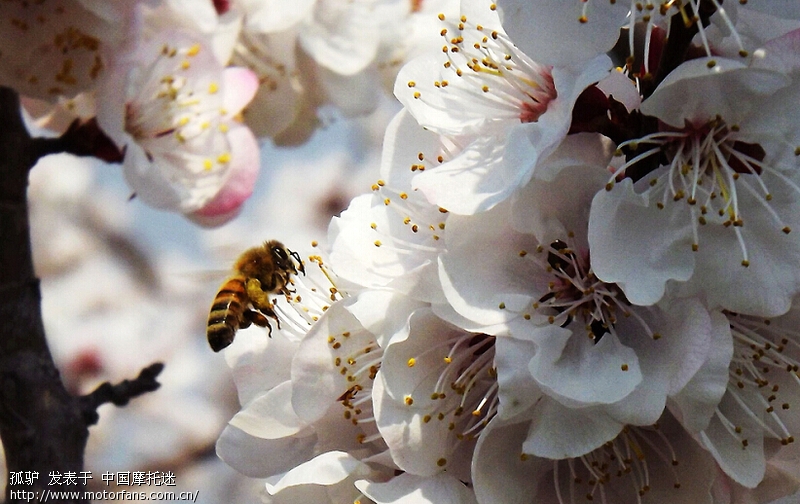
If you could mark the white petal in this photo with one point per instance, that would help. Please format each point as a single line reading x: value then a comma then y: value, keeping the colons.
x: 550, y: 32
x: 324, y: 469
x: 697, y: 401
x: 269, y: 416
x: 316, y: 378
x: 557, y: 432
x: 745, y: 465
x: 486, y: 172
x: 268, y: 16
x: 373, y: 245
x: 499, y: 473
x: 402, y: 143
x: 626, y: 242
x: 767, y: 285
x: 384, y: 313
x: 341, y: 35
x: 411, y: 489
x: 697, y: 93
x: 578, y: 372
x: 421, y: 429
x: 667, y: 363
x: 551, y: 210
x: 416, y: 446
x: 477, y: 293
x: 517, y: 389
x: 259, y: 458
x: 258, y: 363
x: 353, y: 94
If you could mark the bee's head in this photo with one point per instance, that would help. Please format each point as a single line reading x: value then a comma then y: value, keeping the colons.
x: 284, y: 258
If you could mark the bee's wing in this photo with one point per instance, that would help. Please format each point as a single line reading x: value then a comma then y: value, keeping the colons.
x: 202, y: 277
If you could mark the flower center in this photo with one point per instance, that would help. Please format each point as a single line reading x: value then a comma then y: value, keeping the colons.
x: 575, y: 294
x: 175, y: 112
x: 707, y: 169
x: 492, y: 72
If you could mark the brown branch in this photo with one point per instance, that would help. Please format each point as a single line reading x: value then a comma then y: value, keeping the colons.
x: 43, y: 427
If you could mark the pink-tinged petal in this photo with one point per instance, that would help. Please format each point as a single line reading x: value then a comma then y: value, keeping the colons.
x: 240, y: 85
x: 244, y: 168
x: 781, y: 54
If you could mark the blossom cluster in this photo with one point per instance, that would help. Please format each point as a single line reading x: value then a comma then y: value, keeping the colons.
x: 572, y: 282
x: 184, y: 88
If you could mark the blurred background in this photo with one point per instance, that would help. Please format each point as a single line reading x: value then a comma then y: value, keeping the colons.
x: 124, y: 286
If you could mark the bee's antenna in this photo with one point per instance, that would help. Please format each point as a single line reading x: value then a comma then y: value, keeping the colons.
x: 296, y: 256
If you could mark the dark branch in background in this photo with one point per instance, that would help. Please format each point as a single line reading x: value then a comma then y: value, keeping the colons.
x: 43, y: 427
x: 119, y: 395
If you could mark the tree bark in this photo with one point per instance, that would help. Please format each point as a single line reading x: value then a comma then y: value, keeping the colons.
x: 43, y: 428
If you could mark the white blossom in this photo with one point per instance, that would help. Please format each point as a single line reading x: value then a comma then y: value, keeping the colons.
x: 175, y: 120
x: 723, y: 202
x: 500, y: 111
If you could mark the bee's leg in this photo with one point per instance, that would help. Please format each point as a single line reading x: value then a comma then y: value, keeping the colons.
x: 257, y: 318
x: 269, y: 312
x: 260, y: 301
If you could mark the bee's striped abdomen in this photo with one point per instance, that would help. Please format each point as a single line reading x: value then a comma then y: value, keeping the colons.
x: 226, y: 313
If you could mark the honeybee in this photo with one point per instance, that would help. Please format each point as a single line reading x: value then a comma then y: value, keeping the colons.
x: 243, y: 299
